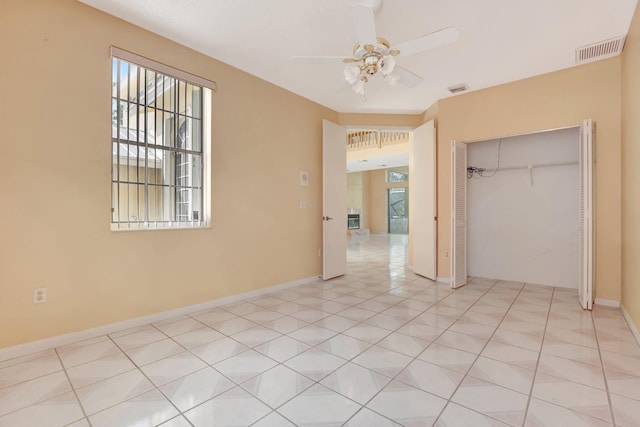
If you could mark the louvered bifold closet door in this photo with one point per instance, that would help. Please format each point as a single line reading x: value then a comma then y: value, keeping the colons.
x: 459, y: 214
x: 585, y: 220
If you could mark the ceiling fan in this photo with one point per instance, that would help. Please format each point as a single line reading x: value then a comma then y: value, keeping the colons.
x: 373, y: 54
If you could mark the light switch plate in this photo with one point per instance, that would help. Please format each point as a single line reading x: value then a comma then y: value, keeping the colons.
x: 304, y: 179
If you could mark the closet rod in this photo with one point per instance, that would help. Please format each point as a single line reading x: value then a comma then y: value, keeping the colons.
x: 540, y: 165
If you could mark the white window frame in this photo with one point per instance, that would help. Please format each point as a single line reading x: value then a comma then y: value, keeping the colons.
x: 208, y: 86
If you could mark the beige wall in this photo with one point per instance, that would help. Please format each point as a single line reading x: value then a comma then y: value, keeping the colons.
x: 381, y: 120
x: 549, y: 101
x: 358, y: 195
x: 431, y: 113
x: 378, y: 198
x: 55, y: 116
x: 354, y: 190
x: 631, y: 172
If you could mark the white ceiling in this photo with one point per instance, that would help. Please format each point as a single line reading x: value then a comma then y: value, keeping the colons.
x: 378, y: 162
x: 500, y: 41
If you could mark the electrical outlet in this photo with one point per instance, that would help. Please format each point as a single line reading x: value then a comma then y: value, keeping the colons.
x: 446, y: 254
x: 39, y: 295
x: 319, y: 252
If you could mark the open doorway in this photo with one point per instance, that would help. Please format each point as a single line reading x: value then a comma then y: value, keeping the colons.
x: 380, y: 166
x: 378, y: 191
x: 378, y: 180
x: 418, y: 156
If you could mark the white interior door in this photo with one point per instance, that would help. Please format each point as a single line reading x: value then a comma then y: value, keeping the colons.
x: 422, y: 199
x: 334, y: 200
x: 458, y: 214
x: 585, y: 232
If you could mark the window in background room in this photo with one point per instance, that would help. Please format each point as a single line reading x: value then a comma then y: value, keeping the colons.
x: 159, y: 148
x: 398, y: 210
x: 398, y: 174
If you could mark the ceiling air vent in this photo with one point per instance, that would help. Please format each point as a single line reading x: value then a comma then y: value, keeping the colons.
x: 458, y: 88
x: 600, y: 50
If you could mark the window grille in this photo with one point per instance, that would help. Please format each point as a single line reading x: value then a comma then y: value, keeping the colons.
x: 158, y: 156
x: 398, y: 175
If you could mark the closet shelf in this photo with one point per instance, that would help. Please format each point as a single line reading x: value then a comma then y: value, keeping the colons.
x: 534, y: 166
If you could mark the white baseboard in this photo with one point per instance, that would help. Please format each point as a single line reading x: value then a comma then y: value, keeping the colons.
x: 632, y: 325
x: 443, y: 280
x: 607, y: 302
x: 60, y: 340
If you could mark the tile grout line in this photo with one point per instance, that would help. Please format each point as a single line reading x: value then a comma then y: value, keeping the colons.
x: 432, y: 342
x: 208, y: 365
x: 73, y: 389
x: 480, y: 352
x: 63, y: 370
x: 317, y: 382
x: 535, y: 372
x: 448, y: 401
x: 278, y: 363
x: 363, y: 322
x: 248, y: 348
x: 604, y: 371
x: 412, y: 358
x: 139, y: 369
x: 362, y: 406
x: 170, y: 337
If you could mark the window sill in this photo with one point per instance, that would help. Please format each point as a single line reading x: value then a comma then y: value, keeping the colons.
x: 148, y: 226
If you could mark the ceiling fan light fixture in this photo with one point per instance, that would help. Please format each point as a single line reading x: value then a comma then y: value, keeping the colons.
x: 372, y: 53
x: 351, y: 73
x: 387, y: 64
x: 359, y: 87
x: 368, y: 64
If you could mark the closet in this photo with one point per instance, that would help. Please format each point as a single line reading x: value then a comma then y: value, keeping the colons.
x: 522, y: 208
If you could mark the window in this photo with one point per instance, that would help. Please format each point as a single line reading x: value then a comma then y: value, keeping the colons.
x: 398, y: 175
x: 159, y: 145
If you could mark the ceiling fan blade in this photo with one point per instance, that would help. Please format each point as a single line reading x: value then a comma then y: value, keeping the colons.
x: 364, y: 24
x: 429, y: 41
x: 406, y: 77
x: 318, y: 59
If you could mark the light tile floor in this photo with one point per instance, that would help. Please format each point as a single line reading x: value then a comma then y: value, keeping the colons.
x: 379, y: 346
